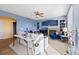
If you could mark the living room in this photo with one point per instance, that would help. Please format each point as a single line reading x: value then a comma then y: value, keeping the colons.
x: 48, y: 20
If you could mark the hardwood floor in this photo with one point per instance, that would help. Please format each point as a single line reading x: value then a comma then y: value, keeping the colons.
x: 4, y: 47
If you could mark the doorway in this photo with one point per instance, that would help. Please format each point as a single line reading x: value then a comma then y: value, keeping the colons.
x: 14, y: 28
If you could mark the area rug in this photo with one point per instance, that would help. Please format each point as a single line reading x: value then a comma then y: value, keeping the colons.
x: 20, y: 49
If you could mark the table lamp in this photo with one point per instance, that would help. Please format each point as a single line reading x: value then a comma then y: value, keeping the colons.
x: 65, y: 30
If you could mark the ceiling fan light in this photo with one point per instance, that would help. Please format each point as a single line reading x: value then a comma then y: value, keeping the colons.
x: 38, y: 14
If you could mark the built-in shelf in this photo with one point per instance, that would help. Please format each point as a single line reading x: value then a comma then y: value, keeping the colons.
x: 63, y: 24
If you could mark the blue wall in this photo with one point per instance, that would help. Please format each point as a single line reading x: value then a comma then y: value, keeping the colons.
x: 22, y: 22
x: 76, y: 16
x: 75, y: 48
x: 70, y: 19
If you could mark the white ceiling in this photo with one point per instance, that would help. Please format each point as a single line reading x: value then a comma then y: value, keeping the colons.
x: 26, y: 10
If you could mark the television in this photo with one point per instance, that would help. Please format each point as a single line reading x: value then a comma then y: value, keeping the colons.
x: 50, y: 23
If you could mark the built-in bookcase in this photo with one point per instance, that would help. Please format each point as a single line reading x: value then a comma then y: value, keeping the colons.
x: 63, y: 24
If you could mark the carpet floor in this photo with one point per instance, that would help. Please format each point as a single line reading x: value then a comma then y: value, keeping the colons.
x: 22, y: 50
x: 59, y: 46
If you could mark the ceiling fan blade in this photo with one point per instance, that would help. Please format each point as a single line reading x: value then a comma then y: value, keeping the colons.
x: 38, y: 14
x: 42, y: 16
x: 41, y: 13
x: 34, y: 12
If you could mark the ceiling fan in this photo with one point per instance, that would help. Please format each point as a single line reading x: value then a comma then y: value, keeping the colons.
x: 38, y: 14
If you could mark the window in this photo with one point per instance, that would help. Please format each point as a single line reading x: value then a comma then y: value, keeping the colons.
x: 50, y: 23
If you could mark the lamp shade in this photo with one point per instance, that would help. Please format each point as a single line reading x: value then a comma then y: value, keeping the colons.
x: 65, y: 29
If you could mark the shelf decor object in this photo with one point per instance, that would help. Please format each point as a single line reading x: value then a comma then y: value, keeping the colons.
x: 65, y: 30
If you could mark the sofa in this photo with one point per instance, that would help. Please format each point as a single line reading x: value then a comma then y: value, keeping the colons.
x: 54, y: 36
